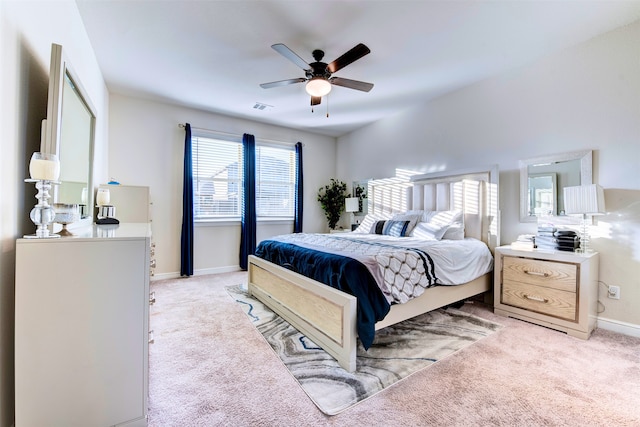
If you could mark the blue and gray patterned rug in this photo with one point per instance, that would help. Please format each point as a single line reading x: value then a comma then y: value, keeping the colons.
x: 397, y: 352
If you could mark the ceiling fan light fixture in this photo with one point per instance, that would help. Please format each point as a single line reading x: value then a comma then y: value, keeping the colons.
x: 318, y: 86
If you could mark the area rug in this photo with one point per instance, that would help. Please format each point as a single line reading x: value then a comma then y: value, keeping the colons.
x: 397, y: 352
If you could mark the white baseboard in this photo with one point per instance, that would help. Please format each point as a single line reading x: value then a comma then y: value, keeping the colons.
x: 620, y: 327
x: 201, y: 272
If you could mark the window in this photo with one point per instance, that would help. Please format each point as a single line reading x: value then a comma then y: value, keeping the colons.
x: 217, y: 178
x: 218, y: 183
x: 275, y: 181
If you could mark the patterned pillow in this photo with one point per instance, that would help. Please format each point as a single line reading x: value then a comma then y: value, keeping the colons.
x: 395, y: 228
x: 378, y: 227
x: 412, y: 216
x: 367, y: 224
x: 390, y: 228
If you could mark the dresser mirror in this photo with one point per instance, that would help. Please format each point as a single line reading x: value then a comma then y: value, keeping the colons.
x: 542, y: 180
x: 69, y: 133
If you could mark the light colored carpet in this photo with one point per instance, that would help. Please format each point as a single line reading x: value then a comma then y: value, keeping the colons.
x: 209, y: 367
x: 397, y: 351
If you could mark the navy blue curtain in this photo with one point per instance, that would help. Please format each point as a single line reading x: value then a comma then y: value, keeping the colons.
x: 186, y: 240
x: 297, y: 219
x: 248, y: 226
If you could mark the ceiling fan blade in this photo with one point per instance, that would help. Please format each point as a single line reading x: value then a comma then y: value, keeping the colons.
x: 353, y: 55
x: 315, y: 100
x: 351, y: 84
x: 282, y: 83
x: 290, y: 55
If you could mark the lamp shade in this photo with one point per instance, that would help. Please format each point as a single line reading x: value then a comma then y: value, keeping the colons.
x: 584, y: 199
x: 318, y: 86
x: 352, y: 204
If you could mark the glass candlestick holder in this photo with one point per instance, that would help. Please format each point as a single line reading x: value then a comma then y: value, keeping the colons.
x: 42, y: 214
x: 66, y: 213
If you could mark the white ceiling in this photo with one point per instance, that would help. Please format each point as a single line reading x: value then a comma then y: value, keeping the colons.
x: 212, y: 55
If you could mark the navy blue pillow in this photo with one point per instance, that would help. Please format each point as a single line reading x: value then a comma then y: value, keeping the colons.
x: 378, y: 227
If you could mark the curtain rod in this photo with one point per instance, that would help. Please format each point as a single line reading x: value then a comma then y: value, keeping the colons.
x: 271, y: 141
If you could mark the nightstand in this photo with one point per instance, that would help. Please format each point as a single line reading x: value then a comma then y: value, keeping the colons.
x: 556, y: 289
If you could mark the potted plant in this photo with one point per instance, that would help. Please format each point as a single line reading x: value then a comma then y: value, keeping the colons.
x: 361, y: 194
x: 331, y: 198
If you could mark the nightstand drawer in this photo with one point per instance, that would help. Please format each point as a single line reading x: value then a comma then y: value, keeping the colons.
x: 540, y: 299
x: 549, y: 274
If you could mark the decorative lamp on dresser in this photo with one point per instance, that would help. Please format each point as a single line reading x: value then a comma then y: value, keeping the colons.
x: 82, y: 328
x: 556, y: 289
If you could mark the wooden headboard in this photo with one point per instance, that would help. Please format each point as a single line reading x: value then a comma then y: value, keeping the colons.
x: 472, y: 191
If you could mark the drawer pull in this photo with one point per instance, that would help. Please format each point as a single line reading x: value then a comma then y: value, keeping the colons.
x: 535, y: 298
x: 536, y: 273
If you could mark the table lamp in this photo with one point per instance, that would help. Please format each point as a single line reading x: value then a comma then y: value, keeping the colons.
x: 586, y: 200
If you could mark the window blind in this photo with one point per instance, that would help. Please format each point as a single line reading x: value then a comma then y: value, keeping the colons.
x: 217, y: 179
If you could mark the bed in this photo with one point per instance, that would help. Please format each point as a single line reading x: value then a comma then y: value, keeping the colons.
x: 329, y: 316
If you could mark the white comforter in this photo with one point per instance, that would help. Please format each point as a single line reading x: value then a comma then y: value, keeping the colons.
x: 400, y: 274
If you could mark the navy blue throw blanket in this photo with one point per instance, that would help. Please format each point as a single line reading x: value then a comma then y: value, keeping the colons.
x: 337, y: 271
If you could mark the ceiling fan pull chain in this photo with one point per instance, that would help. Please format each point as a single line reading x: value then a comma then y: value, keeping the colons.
x: 327, y: 97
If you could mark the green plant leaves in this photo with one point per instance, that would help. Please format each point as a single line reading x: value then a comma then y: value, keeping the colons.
x: 331, y: 198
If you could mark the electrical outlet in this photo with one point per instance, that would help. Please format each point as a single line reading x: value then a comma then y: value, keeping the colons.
x: 614, y: 292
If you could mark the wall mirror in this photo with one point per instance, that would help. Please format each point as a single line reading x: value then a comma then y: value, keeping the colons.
x: 361, y: 191
x: 70, y: 133
x: 542, y: 180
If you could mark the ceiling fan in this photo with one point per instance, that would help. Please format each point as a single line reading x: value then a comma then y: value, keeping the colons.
x: 318, y: 75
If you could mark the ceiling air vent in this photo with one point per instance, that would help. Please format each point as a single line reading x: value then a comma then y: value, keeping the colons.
x: 261, y: 106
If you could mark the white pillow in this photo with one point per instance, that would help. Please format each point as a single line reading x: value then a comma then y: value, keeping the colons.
x: 454, y: 232
x: 443, y: 217
x: 435, y: 224
x: 429, y: 231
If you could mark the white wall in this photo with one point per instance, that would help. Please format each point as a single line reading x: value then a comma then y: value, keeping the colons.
x: 146, y: 148
x: 27, y: 30
x: 587, y: 97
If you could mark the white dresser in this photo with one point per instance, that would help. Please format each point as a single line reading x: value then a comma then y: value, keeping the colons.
x: 82, y: 328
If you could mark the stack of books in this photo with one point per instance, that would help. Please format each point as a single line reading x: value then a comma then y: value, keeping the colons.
x: 550, y: 237
x: 524, y: 242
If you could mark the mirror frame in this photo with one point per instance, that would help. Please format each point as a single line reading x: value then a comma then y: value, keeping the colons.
x: 59, y: 68
x: 586, y: 176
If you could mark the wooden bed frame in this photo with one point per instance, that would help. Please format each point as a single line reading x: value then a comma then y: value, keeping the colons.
x: 328, y: 316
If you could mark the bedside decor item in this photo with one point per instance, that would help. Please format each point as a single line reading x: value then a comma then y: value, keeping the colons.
x: 44, y: 169
x: 556, y: 239
x: 106, y: 212
x: 83, y: 203
x: 586, y: 200
x: 351, y: 205
x: 360, y: 192
x: 331, y: 198
x: 65, y: 214
x: 103, y: 197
